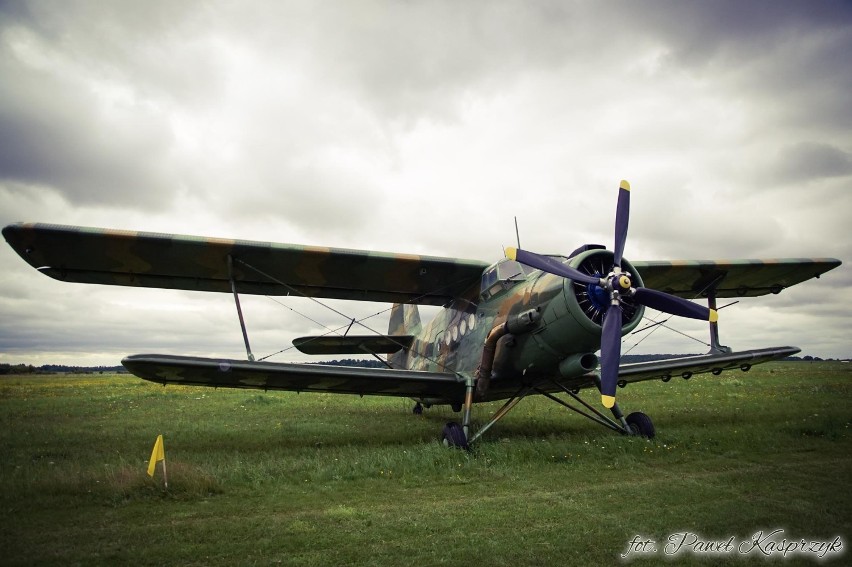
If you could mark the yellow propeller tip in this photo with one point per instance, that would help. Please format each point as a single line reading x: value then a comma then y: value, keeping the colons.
x: 714, y: 316
x: 607, y: 401
x: 511, y: 253
x: 624, y: 185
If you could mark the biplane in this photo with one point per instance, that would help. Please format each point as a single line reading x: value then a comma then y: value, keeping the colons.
x: 529, y: 324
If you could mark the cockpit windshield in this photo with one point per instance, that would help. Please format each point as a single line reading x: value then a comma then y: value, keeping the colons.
x: 503, y: 275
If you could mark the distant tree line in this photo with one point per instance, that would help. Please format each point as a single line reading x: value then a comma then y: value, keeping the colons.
x: 63, y: 369
x: 59, y: 369
x: 18, y: 369
x: 370, y: 363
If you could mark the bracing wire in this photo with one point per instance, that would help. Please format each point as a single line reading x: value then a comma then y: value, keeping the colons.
x: 657, y: 324
x: 350, y: 320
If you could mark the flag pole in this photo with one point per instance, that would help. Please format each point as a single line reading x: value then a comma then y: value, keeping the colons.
x: 158, y: 454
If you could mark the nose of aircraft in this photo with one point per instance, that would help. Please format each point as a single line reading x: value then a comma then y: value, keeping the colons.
x: 611, y: 290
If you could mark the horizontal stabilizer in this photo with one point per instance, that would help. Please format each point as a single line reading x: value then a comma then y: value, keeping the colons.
x: 370, y: 344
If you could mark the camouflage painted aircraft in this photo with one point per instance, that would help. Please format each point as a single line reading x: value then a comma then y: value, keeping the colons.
x: 528, y: 324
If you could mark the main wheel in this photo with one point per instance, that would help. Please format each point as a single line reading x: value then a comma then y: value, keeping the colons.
x: 418, y: 409
x: 641, y: 424
x: 453, y: 436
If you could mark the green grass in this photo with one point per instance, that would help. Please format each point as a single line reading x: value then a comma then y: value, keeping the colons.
x: 281, y: 478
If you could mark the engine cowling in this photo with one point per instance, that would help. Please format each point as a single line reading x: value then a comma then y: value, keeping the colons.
x: 572, y: 319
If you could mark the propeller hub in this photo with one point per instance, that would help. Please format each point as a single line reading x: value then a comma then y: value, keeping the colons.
x: 619, y: 283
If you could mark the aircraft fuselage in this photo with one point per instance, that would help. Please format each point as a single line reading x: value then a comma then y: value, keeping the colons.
x: 553, y: 320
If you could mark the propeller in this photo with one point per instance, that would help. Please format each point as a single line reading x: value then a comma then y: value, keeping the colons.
x: 618, y: 285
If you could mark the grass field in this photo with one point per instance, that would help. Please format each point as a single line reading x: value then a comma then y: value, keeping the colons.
x: 281, y: 478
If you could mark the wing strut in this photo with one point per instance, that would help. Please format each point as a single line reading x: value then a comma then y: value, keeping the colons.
x: 715, y: 347
x: 239, y: 309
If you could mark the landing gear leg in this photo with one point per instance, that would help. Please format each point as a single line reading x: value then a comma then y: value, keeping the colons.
x: 619, y: 416
x: 616, y: 412
x: 468, y: 404
x: 455, y: 435
x: 637, y: 423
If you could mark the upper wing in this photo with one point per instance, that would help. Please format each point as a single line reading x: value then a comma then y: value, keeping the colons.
x: 141, y: 259
x: 731, y: 278
x: 192, y: 371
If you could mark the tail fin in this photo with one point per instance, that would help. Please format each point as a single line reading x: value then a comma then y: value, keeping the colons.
x: 404, y: 320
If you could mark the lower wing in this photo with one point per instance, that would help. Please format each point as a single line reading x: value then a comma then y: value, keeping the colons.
x: 685, y: 367
x: 709, y: 363
x: 193, y: 371
x: 437, y: 386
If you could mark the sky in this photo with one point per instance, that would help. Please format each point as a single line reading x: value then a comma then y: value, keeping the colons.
x: 426, y: 128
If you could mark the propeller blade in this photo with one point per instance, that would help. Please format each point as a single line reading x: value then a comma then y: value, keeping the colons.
x: 672, y: 304
x: 622, y: 218
x: 610, y: 354
x: 549, y: 265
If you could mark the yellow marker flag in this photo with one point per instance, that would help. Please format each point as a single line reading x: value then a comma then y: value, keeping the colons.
x: 158, y: 454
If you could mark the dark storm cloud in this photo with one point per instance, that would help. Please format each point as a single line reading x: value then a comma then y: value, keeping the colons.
x: 701, y: 33
x: 81, y: 104
x: 52, y: 135
x: 793, y: 53
x: 812, y: 161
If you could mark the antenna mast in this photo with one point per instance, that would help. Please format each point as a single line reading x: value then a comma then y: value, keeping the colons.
x: 517, y: 234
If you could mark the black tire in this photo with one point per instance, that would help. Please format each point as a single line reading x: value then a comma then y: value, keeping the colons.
x: 456, y: 407
x: 641, y: 425
x: 418, y: 409
x: 453, y: 436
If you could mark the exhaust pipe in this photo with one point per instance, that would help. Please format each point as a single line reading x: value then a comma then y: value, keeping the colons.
x: 520, y: 323
x: 578, y: 365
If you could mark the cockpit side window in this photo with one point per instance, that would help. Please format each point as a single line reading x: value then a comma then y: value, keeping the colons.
x: 490, y: 278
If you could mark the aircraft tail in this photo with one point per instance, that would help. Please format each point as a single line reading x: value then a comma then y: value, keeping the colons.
x: 404, y: 320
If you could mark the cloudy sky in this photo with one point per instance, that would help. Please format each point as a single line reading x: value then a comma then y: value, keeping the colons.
x: 422, y: 127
